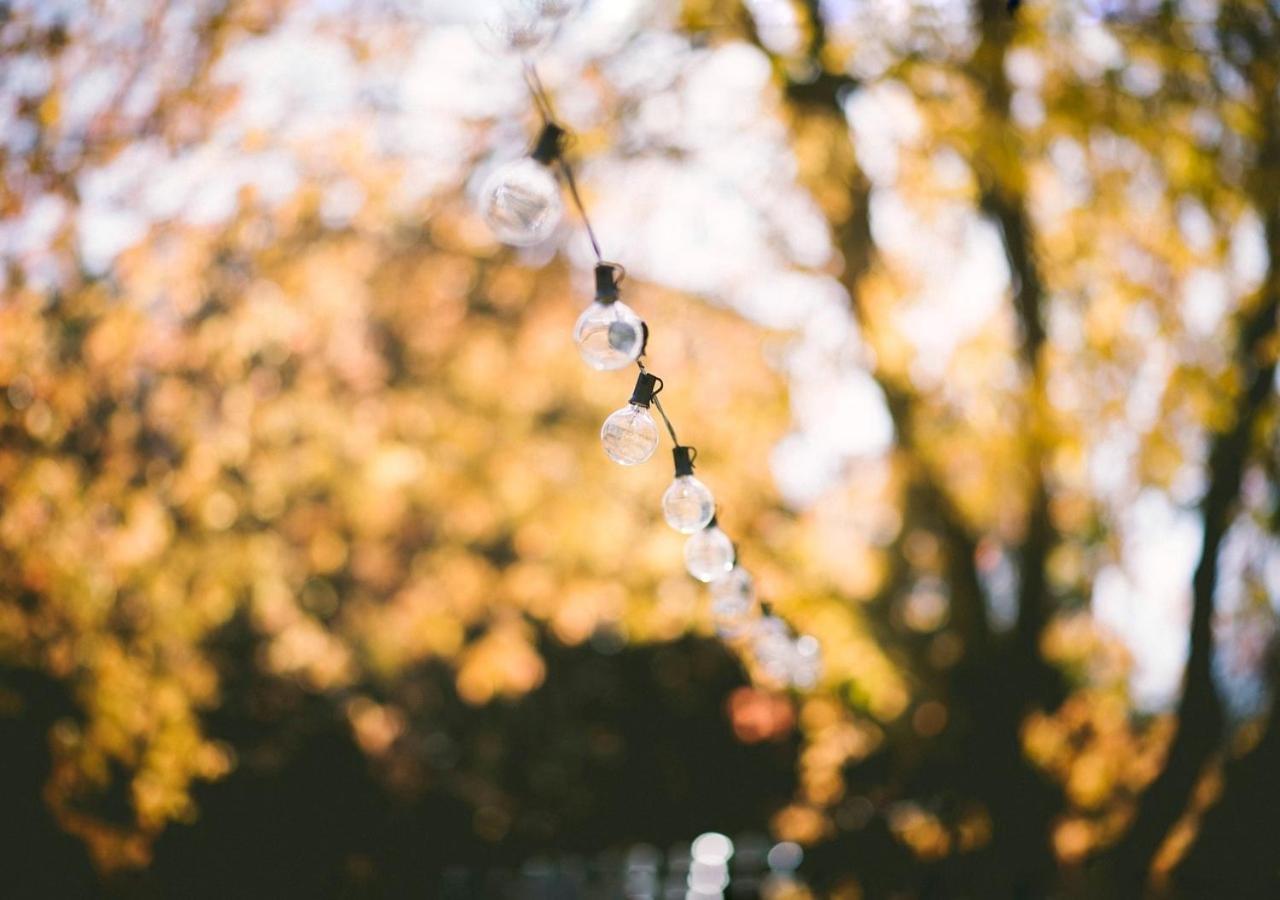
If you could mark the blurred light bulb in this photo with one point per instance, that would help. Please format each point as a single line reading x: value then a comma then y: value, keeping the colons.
x: 524, y: 27
x: 729, y: 626
x: 733, y: 603
x: 773, y: 648
x: 630, y: 435
x: 557, y: 9
x: 687, y: 503
x: 734, y: 592
x: 708, y: 553
x: 609, y: 334
x: 806, y: 662
x: 521, y: 202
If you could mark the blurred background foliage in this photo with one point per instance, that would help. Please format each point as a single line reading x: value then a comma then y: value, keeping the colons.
x: 971, y: 313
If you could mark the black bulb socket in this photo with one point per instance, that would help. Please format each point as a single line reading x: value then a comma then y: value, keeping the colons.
x: 644, y: 389
x: 549, y: 145
x: 606, y: 283
x: 684, y: 460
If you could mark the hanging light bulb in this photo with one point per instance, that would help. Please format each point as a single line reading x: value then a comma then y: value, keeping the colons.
x: 557, y: 10
x: 521, y: 201
x: 806, y: 662
x: 523, y: 27
x: 630, y: 435
x: 687, y: 503
x: 609, y: 334
x: 708, y: 553
x: 733, y: 600
x: 734, y: 592
x: 773, y: 648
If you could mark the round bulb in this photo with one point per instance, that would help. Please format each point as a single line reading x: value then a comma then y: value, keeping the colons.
x: 557, y: 9
x: 773, y: 648
x: 708, y: 554
x: 728, y: 625
x: 732, y: 603
x: 609, y: 335
x: 521, y: 202
x: 688, y: 505
x: 520, y: 26
x: 806, y: 662
x: 734, y: 592
x: 629, y: 435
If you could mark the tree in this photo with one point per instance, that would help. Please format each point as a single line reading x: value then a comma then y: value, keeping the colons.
x: 267, y: 379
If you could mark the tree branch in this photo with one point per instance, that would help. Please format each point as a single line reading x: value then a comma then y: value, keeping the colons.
x: 990, y: 691
x: 1200, y: 721
x: 823, y: 92
x: 1242, y: 824
x: 1000, y: 178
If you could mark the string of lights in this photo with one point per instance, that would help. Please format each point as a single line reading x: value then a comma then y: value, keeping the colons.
x: 522, y: 204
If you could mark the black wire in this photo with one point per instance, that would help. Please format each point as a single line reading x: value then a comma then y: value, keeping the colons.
x: 547, y: 111
x: 670, y: 428
x: 543, y: 101
x: 540, y: 95
x: 582, y: 211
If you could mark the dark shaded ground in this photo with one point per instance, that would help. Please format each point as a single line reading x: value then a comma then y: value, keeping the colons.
x: 541, y: 798
x: 615, y: 748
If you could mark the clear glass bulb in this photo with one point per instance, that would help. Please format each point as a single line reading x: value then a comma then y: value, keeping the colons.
x: 629, y: 435
x: 734, y: 592
x: 708, y: 554
x: 773, y: 648
x: 609, y: 335
x: 523, y: 27
x: 688, y: 505
x: 557, y: 9
x: 733, y: 602
x: 728, y: 625
x: 806, y: 662
x: 521, y: 202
